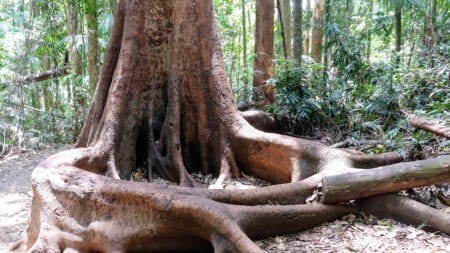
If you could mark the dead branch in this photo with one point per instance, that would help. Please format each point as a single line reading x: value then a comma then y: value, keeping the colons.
x: 40, y: 77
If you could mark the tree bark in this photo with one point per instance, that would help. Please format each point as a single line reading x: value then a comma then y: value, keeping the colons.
x: 163, y: 103
x: 355, y: 185
x: 317, y: 30
x: 263, y: 69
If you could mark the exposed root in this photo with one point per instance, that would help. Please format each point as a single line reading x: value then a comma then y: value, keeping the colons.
x: 112, y: 170
x: 170, y: 138
x: 222, y: 219
x: 228, y: 168
x: 286, y: 219
x: 408, y: 211
x: 121, y: 212
x: 376, y: 160
x: 260, y: 120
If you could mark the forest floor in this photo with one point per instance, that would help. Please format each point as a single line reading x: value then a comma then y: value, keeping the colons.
x: 352, y: 233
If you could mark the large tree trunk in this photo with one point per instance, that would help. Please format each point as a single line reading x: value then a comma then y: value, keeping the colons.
x: 263, y: 69
x: 163, y: 102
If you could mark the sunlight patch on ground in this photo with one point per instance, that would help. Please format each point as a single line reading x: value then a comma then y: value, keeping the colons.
x: 14, y: 212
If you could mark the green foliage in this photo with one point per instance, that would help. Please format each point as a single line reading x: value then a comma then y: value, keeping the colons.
x: 297, y: 99
x: 34, y: 39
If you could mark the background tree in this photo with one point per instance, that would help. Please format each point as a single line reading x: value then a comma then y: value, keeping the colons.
x: 263, y: 69
x: 317, y: 30
x: 398, y: 30
x: 298, y: 31
x: 284, y: 7
x: 93, y: 48
x: 307, y: 28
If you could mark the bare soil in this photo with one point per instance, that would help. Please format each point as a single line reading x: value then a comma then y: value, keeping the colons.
x: 349, y: 234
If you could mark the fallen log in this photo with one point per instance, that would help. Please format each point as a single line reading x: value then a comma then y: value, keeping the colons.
x: 392, y: 178
x: 428, y: 126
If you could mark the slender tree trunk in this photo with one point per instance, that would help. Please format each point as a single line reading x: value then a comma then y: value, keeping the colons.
x: 327, y: 20
x: 75, y: 63
x: 264, y: 50
x: 283, y: 37
x: 244, y: 42
x: 317, y: 30
x: 307, y: 28
x: 429, y: 32
x: 298, y: 31
x: 413, y: 46
x: 93, y: 51
x: 369, y: 34
x: 233, y: 62
x: 398, y: 33
x: 285, y: 10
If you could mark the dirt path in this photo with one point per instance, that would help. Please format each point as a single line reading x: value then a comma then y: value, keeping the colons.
x: 349, y: 234
x: 15, y: 193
